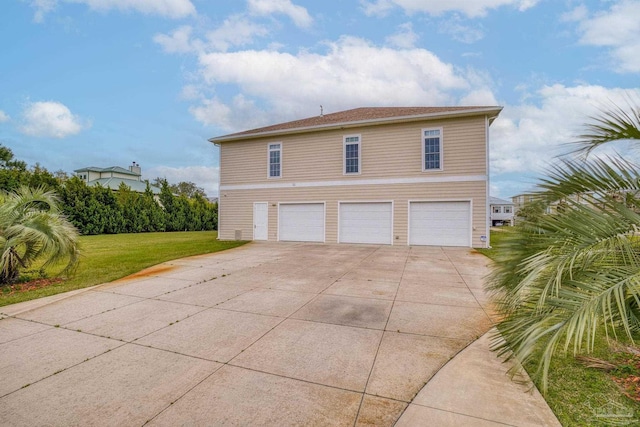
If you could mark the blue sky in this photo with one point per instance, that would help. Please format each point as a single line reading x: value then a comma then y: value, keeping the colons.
x: 108, y: 82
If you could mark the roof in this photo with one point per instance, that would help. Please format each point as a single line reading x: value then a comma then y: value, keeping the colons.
x: 114, y: 184
x: 497, y: 201
x: 360, y: 116
x: 117, y: 169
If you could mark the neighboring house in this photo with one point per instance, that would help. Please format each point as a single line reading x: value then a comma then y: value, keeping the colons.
x: 401, y: 176
x: 520, y: 200
x: 112, y: 178
x: 501, y: 212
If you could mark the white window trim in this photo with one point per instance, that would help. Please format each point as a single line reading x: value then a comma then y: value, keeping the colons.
x: 344, y: 154
x: 441, y: 149
x: 269, y: 150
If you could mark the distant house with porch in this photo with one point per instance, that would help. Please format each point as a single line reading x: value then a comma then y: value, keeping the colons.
x: 501, y: 212
x: 113, y: 176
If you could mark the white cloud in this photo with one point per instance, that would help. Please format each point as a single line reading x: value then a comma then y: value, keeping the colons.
x: 178, y: 41
x: 298, y: 14
x: 576, y: 14
x: 207, y: 177
x: 352, y: 73
x: 617, y: 29
x: 51, y: 119
x: 460, y: 31
x: 482, y: 96
x: 526, y: 137
x: 168, y: 8
x: 235, y: 31
x: 404, y: 38
x: 470, y: 8
x: 376, y: 8
x: 42, y: 7
x: 3, y: 117
x: 190, y: 92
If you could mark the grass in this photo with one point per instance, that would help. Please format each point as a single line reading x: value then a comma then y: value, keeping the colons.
x: 109, y: 257
x: 578, y: 395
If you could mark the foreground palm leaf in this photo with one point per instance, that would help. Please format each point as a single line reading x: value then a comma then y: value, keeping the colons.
x: 575, y: 273
x: 32, y: 228
x: 613, y: 125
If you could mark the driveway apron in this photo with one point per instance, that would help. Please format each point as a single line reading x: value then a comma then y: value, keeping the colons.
x: 266, y: 334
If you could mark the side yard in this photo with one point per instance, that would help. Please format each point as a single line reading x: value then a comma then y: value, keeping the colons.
x: 109, y: 257
x: 581, y: 395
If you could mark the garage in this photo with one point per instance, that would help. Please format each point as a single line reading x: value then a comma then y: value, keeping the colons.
x: 440, y: 223
x: 370, y: 222
x: 301, y: 222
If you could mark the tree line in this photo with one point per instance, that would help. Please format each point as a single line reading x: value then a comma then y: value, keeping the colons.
x: 100, y: 210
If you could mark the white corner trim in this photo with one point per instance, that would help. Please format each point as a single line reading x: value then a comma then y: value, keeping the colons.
x: 381, y: 181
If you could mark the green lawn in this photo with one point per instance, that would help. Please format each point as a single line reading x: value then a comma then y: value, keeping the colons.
x: 581, y: 396
x: 109, y: 257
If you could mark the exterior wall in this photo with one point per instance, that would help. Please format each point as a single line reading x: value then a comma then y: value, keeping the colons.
x: 391, y: 160
x: 236, y: 207
x: 93, y: 175
x: 119, y: 175
x: 502, y: 216
x: 390, y: 151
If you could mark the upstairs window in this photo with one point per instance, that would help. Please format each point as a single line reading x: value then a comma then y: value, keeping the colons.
x: 508, y: 209
x: 275, y: 160
x: 497, y: 209
x: 352, y: 154
x: 432, y: 149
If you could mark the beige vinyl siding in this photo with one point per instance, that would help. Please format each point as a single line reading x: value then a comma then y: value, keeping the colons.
x: 388, y: 151
x: 236, y: 207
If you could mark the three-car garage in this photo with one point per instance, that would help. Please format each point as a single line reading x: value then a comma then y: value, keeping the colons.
x: 428, y: 223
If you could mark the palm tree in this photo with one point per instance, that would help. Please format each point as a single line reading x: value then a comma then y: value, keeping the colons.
x: 33, y: 229
x: 567, y: 277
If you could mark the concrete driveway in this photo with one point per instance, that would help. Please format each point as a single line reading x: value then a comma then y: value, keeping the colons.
x: 266, y: 334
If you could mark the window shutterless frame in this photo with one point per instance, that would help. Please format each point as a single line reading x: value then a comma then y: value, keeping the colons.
x: 274, y: 160
x: 351, y: 155
x: 432, y: 155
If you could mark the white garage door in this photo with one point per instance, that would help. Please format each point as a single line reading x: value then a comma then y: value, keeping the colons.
x: 440, y: 223
x: 366, y: 223
x: 301, y: 222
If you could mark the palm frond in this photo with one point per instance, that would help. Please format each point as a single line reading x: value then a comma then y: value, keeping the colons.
x: 32, y: 228
x: 576, y: 274
x: 614, y: 124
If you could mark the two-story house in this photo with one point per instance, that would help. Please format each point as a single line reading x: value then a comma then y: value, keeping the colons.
x: 113, y: 176
x: 397, y: 176
x: 502, y: 212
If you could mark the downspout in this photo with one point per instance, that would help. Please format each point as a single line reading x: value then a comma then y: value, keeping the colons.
x: 219, y: 193
x: 487, y: 243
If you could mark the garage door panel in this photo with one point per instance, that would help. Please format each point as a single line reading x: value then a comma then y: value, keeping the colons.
x: 366, y: 222
x: 440, y: 223
x: 301, y: 222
